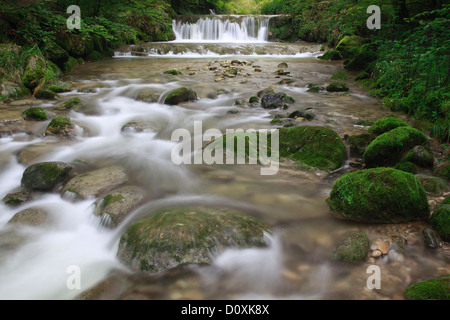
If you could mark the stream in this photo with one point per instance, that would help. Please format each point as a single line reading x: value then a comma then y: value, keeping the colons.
x: 35, y: 261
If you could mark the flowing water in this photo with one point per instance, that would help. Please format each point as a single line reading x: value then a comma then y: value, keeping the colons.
x: 36, y: 262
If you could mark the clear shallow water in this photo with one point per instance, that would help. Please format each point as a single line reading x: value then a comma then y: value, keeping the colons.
x: 34, y: 262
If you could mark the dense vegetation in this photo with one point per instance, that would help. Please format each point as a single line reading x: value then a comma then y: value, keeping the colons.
x: 407, y: 60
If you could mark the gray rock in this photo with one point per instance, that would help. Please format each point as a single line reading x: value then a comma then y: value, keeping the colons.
x: 430, y: 239
x: 95, y: 183
x: 277, y: 100
x: 34, y: 216
x: 17, y: 198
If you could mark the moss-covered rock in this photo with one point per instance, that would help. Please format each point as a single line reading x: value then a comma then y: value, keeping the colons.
x: 353, y: 248
x: 180, y: 95
x: 331, y: 55
x: 349, y: 46
x: 307, y: 114
x: 317, y: 147
x: 420, y: 156
x: 178, y: 237
x: 36, y: 71
x: 380, y: 195
x: 314, y: 87
x: 45, y: 94
x: 60, y: 126
x: 432, y: 185
x: 173, y: 72
x: 115, y: 206
x: 17, y: 198
x: 359, y: 143
x: 440, y: 221
x: 13, y: 90
x: 35, y: 114
x: 253, y: 99
x: 337, y: 87
x: 277, y: 100
x: 407, y: 167
x: 45, y: 176
x: 442, y: 170
x: 386, y: 124
x: 69, y: 104
x: 390, y: 147
x: 432, y: 289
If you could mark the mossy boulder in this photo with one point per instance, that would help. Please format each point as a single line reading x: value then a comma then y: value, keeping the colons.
x: 349, y: 46
x: 353, y: 248
x: 307, y: 114
x: 60, y: 126
x: 359, y: 143
x: 13, y: 90
x: 45, y: 176
x: 317, y: 147
x: 180, y: 95
x: 440, y: 221
x: 17, y: 198
x: 115, y: 206
x: 45, y: 94
x: 337, y: 87
x: 36, y: 71
x: 253, y: 99
x: 380, y: 195
x: 95, y: 183
x: 386, y: 124
x: 420, y: 156
x: 390, y: 147
x: 35, y: 114
x: 407, y: 167
x: 431, y: 289
x: 179, y: 237
x: 331, y: 55
x: 70, y: 104
x: 432, y: 185
x: 442, y: 170
x: 277, y: 100
x: 314, y: 87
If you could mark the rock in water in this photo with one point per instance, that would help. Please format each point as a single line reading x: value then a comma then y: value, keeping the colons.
x: 180, y: 95
x: 352, y: 248
x: 277, y: 100
x: 432, y: 289
x: 179, y: 237
x: 380, y: 195
x: 430, y: 239
x: 45, y: 176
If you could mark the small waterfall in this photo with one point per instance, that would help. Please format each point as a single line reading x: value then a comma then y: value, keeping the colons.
x: 222, y: 28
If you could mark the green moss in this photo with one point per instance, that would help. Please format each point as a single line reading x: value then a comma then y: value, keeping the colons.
x: 407, y: 167
x: 35, y: 113
x: 253, y: 99
x: 365, y: 123
x: 57, y: 89
x: 13, y: 201
x: 389, y: 148
x: 179, y: 95
x: 432, y: 289
x: 177, y: 237
x: 362, y: 60
x: 362, y: 76
x: 440, y: 220
x: 59, y: 126
x: 337, y: 87
x: 387, y: 124
x: 318, y: 147
x: 432, y: 185
x: 339, y: 76
x: 276, y: 121
x: 44, y: 176
x: 314, y: 87
x: 69, y: 104
x: 442, y: 170
x: 111, y: 199
x: 173, y: 72
x: 420, y: 156
x: 70, y: 64
x: 353, y: 248
x: 95, y: 56
x: 380, y: 195
x: 349, y: 46
x: 286, y: 81
x: 45, y: 94
x: 331, y: 55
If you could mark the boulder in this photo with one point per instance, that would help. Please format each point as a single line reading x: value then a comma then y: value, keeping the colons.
x: 386, y: 124
x: 433, y: 185
x: 337, y: 87
x: 187, y: 236
x: 442, y: 170
x: 359, y: 143
x: 390, y: 147
x: 95, y: 183
x: 115, y: 206
x: 277, y: 100
x: 45, y: 176
x: 35, y: 114
x: 354, y: 247
x: 440, y: 220
x: 34, y: 216
x: 180, y: 95
x: 380, y: 195
x: 437, y: 288
x: 60, y: 126
x: 17, y: 198
x: 420, y: 156
x: 317, y: 147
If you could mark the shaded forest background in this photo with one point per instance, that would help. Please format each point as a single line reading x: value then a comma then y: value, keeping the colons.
x: 406, y: 63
